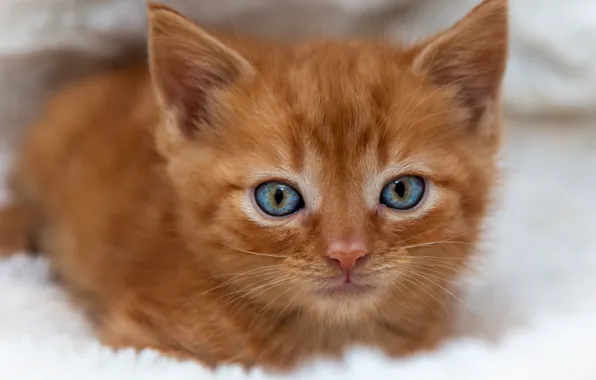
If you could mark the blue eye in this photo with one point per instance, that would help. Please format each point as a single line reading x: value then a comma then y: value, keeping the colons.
x: 403, y: 193
x: 278, y: 198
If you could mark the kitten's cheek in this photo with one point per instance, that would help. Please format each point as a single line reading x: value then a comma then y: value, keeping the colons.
x: 381, y: 212
x: 305, y: 219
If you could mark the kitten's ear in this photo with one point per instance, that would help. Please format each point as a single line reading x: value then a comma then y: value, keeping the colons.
x: 189, y: 67
x: 471, y: 56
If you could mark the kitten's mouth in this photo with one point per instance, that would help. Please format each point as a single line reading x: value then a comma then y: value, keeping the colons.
x: 347, y: 284
x: 346, y: 290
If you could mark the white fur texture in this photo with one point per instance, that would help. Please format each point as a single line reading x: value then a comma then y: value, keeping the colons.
x: 528, y: 314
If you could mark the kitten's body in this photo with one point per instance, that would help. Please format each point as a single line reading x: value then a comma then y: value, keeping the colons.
x: 161, y: 243
x: 136, y: 222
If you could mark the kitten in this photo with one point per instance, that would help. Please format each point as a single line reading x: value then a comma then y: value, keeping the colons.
x: 266, y: 204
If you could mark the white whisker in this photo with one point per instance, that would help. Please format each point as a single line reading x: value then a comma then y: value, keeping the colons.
x: 268, y: 304
x: 250, y: 252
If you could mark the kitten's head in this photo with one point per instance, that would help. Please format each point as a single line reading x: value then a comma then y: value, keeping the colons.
x: 332, y: 172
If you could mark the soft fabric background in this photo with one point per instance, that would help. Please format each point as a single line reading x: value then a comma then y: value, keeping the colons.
x: 47, y: 42
x: 530, y: 311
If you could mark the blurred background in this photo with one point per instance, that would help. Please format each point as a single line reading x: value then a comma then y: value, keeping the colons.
x: 544, y: 243
x: 44, y: 43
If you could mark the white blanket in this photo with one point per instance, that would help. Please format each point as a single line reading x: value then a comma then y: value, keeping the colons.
x: 529, y: 315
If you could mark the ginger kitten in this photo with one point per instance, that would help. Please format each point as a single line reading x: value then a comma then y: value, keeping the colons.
x: 267, y: 204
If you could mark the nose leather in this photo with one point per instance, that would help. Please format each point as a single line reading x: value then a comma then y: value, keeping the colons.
x: 347, y: 252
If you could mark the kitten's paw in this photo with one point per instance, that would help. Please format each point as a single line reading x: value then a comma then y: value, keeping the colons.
x: 14, y: 230
x: 123, y: 334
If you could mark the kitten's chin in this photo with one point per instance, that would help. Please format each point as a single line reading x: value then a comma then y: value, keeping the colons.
x: 342, y: 302
x: 347, y: 291
x: 345, y: 308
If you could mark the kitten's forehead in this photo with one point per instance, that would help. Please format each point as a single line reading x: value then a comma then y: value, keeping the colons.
x: 340, y: 82
x: 355, y: 106
x: 344, y: 115
x: 336, y: 100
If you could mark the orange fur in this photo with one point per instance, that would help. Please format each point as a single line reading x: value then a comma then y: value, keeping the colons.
x: 14, y: 227
x: 142, y: 189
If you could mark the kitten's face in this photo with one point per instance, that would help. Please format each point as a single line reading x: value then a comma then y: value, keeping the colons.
x: 337, y: 174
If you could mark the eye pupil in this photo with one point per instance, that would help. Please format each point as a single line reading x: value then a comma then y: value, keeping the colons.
x: 403, y: 193
x: 279, y: 196
x: 400, y: 189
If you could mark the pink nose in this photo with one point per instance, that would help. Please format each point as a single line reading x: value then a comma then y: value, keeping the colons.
x: 346, y: 254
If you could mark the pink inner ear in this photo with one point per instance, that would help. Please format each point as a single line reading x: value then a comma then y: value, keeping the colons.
x: 188, y: 66
x: 470, y: 57
x: 188, y: 90
x: 475, y: 87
